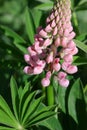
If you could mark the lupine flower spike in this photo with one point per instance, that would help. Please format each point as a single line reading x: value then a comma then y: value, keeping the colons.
x: 54, y: 48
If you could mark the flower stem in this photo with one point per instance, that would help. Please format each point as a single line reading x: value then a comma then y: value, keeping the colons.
x: 50, y: 95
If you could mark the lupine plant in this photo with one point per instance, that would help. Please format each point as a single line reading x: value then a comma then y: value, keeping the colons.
x: 48, y: 89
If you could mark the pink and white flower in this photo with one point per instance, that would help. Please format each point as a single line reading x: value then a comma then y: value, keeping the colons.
x: 53, y: 47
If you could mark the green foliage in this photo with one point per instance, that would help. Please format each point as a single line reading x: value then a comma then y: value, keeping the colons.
x: 28, y: 111
x: 28, y: 114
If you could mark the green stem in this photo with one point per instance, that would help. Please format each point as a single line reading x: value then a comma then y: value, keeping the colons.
x: 50, y: 95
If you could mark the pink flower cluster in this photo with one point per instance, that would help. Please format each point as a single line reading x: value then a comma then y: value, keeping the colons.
x: 54, y: 48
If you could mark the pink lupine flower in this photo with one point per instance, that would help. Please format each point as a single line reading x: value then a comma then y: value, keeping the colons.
x: 28, y: 70
x: 48, y: 74
x: 62, y: 79
x: 49, y: 58
x: 56, y: 64
x: 72, y: 69
x: 53, y: 47
x: 64, y: 82
x: 45, y: 82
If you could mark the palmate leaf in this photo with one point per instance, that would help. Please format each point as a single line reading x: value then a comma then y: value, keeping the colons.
x: 38, y: 115
x: 41, y: 117
x: 6, y: 120
x: 4, y: 106
x: 6, y: 116
x: 52, y: 124
x: 27, y: 110
x: 26, y: 104
x: 31, y: 109
x: 14, y: 96
x: 6, y: 128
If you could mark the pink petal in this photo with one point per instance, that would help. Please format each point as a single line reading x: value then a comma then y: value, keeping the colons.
x: 72, y: 69
x: 47, y: 42
x: 37, y: 47
x: 68, y: 58
x: 64, y: 42
x: 48, y: 28
x: 28, y: 70
x: 37, y: 70
x: 45, y: 82
x: 48, y: 74
x: 56, y: 12
x: 66, y: 32
x: 53, y: 24
x: 43, y: 33
x: 27, y: 57
x: 55, y: 31
x: 41, y: 63
x: 71, y: 44
x: 48, y: 20
x: 74, y: 51
x: 32, y: 51
x: 64, y: 83
x: 52, y: 16
x: 61, y: 75
x: 56, y: 67
x: 57, y: 42
x: 71, y: 35
x: 65, y: 65
x: 49, y: 58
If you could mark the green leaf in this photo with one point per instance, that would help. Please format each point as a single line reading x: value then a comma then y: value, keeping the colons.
x: 6, y: 120
x: 25, y: 92
x: 4, y: 106
x: 45, y: 1
x: 81, y: 6
x: 6, y: 128
x: 14, y: 96
x: 81, y: 45
x: 75, y: 95
x: 82, y: 37
x: 29, y: 25
x: 42, y: 109
x: 80, y: 60
x: 21, y: 48
x: 31, y: 109
x: 52, y: 124
x: 14, y: 35
x: 45, y: 7
x: 28, y: 100
x: 61, y: 98
x: 18, y: 41
x: 41, y: 117
x: 36, y: 14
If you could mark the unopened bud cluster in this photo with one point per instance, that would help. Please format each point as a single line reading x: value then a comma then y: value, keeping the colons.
x: 53, y: 48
